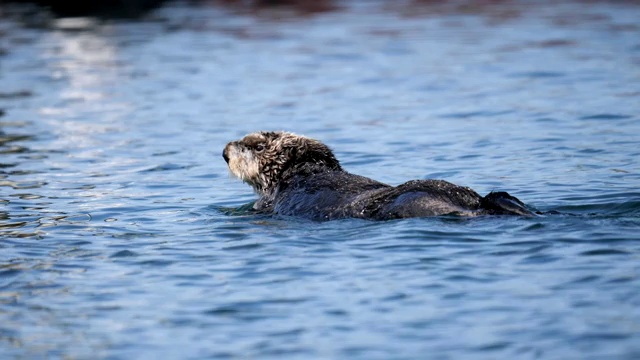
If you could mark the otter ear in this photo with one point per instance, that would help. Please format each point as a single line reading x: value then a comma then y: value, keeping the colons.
x: 315, y: 152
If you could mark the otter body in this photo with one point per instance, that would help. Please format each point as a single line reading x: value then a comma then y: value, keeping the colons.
x: 298, y: 176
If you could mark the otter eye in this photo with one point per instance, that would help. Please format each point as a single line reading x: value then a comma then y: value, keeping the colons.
x: 259, y: 148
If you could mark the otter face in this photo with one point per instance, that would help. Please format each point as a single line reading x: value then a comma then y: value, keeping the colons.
x: 261, y: 158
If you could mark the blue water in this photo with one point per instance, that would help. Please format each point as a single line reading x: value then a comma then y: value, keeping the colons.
x: 123, y: 235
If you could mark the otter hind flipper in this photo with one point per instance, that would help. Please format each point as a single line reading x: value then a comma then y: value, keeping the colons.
x: 501, y: 203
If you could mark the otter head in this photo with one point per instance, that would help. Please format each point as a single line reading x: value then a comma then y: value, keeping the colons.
x: 261, y: 159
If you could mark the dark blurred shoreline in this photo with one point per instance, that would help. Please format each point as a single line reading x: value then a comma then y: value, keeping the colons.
x: 138, y: 8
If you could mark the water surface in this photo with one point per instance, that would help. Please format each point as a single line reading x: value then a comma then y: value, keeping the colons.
x: 121, y: 236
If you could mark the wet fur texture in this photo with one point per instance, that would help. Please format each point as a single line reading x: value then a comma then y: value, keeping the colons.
x: 298, y: 176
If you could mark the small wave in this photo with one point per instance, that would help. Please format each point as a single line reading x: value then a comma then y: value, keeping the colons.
x: 538, y: 74
x: 242, y: 210
x: 626, y: 208
x: 167, y: 167
x: 606, y: 117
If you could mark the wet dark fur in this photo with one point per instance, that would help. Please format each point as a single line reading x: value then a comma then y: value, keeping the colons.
x: 298, y: 176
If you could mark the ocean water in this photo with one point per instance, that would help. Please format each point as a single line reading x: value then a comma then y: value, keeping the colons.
x: 123, y: 236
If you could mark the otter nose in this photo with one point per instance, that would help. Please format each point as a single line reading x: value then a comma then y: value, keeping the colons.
x: 225, y: 155
x: 227, y: 150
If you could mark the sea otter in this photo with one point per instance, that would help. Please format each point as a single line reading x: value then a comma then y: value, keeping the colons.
x: 298, y: 176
